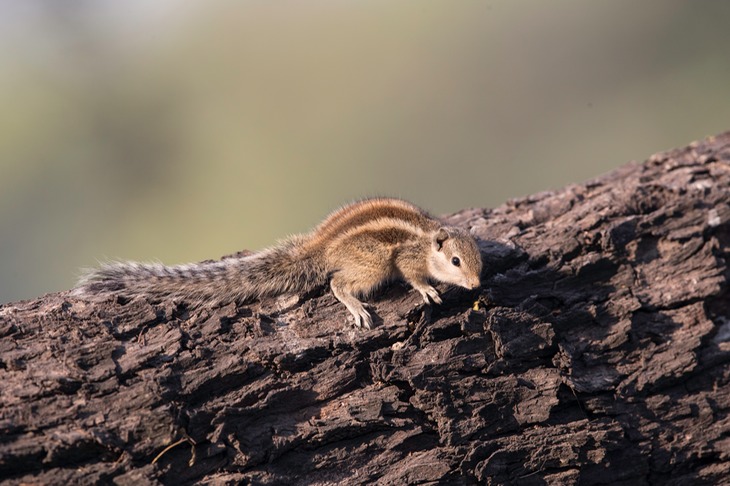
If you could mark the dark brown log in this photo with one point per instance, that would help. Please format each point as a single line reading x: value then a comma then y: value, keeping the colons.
x: 597, y: 353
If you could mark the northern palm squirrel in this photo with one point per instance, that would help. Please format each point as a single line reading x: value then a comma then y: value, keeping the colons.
x: 357, y: 248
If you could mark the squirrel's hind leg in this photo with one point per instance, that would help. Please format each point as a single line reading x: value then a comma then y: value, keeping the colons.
x: 343, y: 292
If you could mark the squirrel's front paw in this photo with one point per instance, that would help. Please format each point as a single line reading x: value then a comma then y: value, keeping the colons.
x: 431, y: 292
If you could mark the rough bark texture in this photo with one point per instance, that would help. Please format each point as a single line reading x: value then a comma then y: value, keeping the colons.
x: 597, y: 353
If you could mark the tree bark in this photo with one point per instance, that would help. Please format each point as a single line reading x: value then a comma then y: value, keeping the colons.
x: 596, y: 352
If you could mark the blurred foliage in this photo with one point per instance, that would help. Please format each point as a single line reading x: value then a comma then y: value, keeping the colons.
x: 187, y: 130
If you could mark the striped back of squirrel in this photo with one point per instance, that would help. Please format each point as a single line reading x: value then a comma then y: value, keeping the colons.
x: 387, y: 216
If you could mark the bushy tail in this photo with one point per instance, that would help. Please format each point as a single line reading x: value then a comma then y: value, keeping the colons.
x: 279, y: 270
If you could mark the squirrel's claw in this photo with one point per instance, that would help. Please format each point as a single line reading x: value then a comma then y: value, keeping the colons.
x: 431, y: 292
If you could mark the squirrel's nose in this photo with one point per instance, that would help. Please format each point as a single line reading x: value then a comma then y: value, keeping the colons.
x: 475, y: 283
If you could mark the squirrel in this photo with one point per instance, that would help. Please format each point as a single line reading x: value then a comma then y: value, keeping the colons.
x: 357, y: 248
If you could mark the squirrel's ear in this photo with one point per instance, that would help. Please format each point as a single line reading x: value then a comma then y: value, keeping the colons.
x: 439, y: 238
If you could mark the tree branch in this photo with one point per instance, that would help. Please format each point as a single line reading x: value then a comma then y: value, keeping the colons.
x: 596, y: 352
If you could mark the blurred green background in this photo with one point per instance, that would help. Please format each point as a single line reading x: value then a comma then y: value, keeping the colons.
x: 182, y: 131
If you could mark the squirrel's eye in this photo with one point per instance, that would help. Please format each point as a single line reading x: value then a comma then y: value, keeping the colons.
x: 456, y: 261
